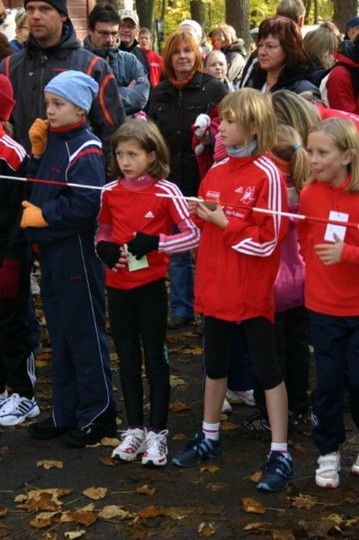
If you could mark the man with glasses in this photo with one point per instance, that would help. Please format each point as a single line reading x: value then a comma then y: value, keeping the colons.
x: 102, y: 40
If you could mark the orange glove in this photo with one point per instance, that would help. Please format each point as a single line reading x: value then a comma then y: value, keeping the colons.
x: 38, y: 136
x: 32, y: 216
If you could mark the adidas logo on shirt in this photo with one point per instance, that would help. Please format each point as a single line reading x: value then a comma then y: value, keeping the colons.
x: 149, y: 215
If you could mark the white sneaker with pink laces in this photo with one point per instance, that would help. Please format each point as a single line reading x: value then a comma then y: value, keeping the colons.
x: 156, y: 449
x: 133, y: 443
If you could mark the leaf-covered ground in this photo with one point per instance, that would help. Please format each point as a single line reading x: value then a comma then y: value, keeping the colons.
x: 49, y: 491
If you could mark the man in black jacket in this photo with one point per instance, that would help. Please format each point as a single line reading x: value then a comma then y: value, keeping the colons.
x: 129, y: 29
x: 53, y: 47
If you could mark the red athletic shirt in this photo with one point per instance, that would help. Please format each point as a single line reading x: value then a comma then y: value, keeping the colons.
x: 332, y: 289
x: 130, y: 206
x: 237, y: 266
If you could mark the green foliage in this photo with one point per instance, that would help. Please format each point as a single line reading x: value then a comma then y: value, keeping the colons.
x: 177, y: 10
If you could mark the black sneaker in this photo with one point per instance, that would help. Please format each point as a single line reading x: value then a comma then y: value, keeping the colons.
x: 92, y: 434
x: 46, y: 429
x: 197, y: 450
x: 257, y: 426
x: 276, y: 473
x: 297, y: 423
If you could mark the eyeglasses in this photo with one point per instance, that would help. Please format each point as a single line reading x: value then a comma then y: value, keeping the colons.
x: 106, y: 34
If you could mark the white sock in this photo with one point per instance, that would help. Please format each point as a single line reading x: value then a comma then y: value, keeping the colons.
x: 211, y: 431
x: 279, y: 447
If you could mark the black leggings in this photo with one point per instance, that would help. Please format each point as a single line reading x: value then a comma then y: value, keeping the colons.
x: 259, y: 335
x: 139, y: 316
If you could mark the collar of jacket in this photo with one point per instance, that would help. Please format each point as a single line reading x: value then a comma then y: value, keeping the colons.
x: 105, y: 53
x: 68, y: 41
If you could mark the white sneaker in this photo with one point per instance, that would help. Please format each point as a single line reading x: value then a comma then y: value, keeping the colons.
x: 133, y: 443
x: 237, y: 397
x: 156, y: 449
x: 226, y: 407
x: 15, y: 410
x: 327, y: 475
x: 355, y: 467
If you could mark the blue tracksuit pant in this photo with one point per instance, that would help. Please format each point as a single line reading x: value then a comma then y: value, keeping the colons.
x: 72, y: 289
x: 336, y: 349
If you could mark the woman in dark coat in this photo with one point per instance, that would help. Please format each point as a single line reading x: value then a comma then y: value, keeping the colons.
x: 175, y: 104
x: 282, y: 61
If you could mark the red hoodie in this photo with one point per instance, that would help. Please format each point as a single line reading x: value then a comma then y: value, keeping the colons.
x: 339, y: 85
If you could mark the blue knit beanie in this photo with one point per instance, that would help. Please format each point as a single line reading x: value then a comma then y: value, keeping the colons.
x: 74, y: 86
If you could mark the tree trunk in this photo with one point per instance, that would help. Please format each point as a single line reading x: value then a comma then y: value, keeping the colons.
x: 237, y: 15
x: 146, y: 13
x: 344, y: 11
x: 198, y: 11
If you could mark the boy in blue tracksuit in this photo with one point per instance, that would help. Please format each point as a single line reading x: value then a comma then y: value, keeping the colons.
x: 62, y: 221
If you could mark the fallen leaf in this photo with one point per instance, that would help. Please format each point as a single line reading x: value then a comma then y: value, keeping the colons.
x: 109, y: 461
x: 146, y: 490
x: 303, y: 501
x: 228, y: 426
x: 205, y: 530
x: 151, y: 512
x: 3, y: 511
x: 179, y: 437
x: 90, y: 507
x: 179, y: 406
x: 176, y: 381
x: 50, y: 464
x: 299, y: 447
x: 192, y: 350
x: 72, y: 535
x: 255, y: 477
x: 335, y: 518
x: 258, y: 526
x: 43, y: 519
x: 29, y: 501
x: 49, y: 535
x: 210, y: 468
x: 77, y: 516
x: 112, y: 442
x: 252, y: 506
x: 95, y: 493
x: 113, y: 511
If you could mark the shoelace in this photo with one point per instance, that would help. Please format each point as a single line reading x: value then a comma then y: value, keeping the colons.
x: 156, y: 441
x: 279, y: 464
x: 131, y: 439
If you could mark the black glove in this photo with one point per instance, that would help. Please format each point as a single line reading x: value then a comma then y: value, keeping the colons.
x: 109, y: 252
x: 142, y: 244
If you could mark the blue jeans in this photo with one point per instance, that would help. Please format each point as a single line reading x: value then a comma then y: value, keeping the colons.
x: 181, y: 287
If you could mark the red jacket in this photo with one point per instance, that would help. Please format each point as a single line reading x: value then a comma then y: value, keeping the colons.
x: 340, y: 87
x: 237, y: 266
x: 333, y: 289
